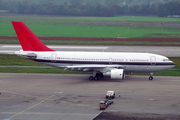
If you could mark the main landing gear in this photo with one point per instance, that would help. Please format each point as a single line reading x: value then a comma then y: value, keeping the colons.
x: 95, y: 76
x: 151, y: 76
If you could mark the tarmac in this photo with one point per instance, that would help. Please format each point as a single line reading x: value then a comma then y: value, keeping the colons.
x: 27, y: 96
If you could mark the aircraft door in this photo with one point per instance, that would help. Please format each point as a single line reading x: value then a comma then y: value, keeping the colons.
x: 53, y: 57
x: 110, y: 60
x: 153, y: 60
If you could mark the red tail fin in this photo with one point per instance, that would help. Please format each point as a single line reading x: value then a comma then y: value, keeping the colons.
x: 28, y: 40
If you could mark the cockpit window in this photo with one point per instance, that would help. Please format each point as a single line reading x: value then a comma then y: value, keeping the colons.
x: 166, y: 60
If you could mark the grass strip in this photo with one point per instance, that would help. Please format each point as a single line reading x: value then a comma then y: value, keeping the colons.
x: 14, y: 60
x: 175, y: 72
x: 93, y: 30
x: 80, y: 42
x: 40, y: 19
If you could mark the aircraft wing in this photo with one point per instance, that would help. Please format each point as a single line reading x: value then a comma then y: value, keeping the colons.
x: 92, y: 67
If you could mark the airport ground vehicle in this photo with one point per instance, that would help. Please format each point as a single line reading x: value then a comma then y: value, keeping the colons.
x: 105, y: 103
x: 110, y: 95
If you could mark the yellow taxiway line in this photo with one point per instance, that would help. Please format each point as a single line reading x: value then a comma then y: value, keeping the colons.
x: 31, y: 107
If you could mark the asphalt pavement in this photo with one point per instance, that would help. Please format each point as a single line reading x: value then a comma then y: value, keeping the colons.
x: 66, y: 97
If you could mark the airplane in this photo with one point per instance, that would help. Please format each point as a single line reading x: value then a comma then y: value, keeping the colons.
x: 103, y: 64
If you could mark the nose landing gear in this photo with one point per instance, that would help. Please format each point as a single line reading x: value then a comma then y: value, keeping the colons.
x: 151, y: 76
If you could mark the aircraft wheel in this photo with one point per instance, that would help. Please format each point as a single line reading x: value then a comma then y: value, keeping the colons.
x: 91, y: 78
x: 151, y: 78
x: 101, y: 75
x: 96, y: 78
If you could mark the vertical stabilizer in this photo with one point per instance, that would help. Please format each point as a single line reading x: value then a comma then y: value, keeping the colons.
x: 28, y: 39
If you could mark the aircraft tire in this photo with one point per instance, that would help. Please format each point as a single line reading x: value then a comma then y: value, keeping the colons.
x: 91, y: 78
x: 151, y: 78
x: 96, y: 78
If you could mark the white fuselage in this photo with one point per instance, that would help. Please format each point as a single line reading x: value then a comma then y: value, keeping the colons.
x: 131, y: 62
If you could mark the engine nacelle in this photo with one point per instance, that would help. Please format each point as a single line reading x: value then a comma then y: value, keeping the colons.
x: 115, y: 74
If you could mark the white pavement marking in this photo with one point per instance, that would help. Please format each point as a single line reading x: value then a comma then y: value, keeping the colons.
x: 96, y: 115
x: 6, y: 51
x: 11, y: 46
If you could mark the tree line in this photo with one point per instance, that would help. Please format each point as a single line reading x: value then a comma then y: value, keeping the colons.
x: 77, y: 8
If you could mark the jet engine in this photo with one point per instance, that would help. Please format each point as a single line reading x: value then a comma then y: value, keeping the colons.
x: 115, y: 74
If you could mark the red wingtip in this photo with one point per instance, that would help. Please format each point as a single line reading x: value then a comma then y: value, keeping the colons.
x: 28, y: 39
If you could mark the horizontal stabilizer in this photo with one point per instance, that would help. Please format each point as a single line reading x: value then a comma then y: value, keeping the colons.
x: 26, y: 54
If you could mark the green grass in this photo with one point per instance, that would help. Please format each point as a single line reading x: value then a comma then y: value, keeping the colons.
x: 6, y: 59
x: 130, y: 43
x: 81, y: 42
x: 72, y: 30
x: 175, y: 72
x: 77, y: 27
x: 6, y: 41
x: 162, y: 73
x: 59, y: 20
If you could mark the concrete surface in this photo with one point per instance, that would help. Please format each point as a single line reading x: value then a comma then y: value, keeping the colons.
x: 74, y: 97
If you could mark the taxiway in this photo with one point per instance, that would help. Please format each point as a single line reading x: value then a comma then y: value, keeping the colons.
x: 66, y: 97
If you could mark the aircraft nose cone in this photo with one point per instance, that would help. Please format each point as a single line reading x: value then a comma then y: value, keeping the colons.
x: 173, y: 64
